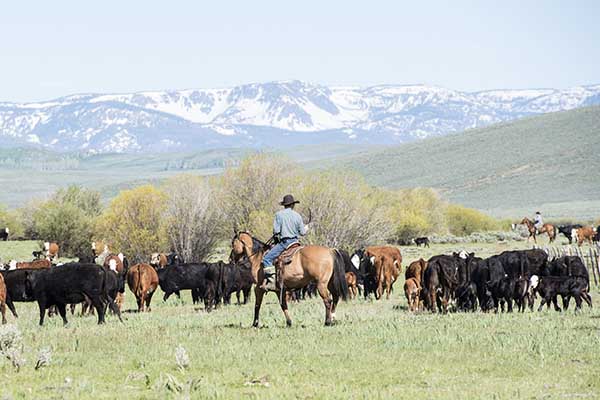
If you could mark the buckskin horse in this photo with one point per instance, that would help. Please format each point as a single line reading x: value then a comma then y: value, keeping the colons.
x: 322, y: 265
x: 546, y: 228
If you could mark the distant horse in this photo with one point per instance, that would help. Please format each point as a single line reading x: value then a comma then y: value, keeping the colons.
x: 546, y: 228
x: 318, y: 264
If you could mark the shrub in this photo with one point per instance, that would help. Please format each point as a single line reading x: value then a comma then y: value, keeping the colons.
x: 12, y: 221
x: 416, y: 212
x: 133, y: 223
x: 193, y: 217
x: 463, y: 221
x: 256, y: 185
x: 346, y: 212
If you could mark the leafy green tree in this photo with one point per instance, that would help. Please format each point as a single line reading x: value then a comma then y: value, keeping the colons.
x: 68, y: 219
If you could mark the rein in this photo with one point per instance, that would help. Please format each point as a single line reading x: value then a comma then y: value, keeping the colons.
x: 264, y: 245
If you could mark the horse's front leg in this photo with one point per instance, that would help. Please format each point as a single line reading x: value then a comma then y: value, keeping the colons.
x: 258, y: 293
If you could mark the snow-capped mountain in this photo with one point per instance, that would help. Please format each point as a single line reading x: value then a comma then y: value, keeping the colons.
x: 270, y: 114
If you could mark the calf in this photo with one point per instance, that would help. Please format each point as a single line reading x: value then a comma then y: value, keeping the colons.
x: 352, y: 282
x: 3, y: 299
x: 549, y: 287
x: 202, y: 277
x: 142, y: 280
x: 4, y: 232
x: 73, y: 283
x: 412, y: 291
x: 415, y: 270
x: 422, y: 241
x: 51, y: 250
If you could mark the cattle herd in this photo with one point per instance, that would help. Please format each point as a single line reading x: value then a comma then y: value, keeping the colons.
x: 443, y: 283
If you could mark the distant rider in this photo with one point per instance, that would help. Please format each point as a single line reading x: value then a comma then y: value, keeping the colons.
x: 287, y: 229
x: 538, y: 222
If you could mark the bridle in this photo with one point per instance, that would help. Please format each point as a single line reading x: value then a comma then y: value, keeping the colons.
x: 264, y: 245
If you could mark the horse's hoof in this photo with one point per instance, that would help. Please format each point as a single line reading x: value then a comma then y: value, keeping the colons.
x: 288, y: 323
x: 328, y: 323
x: 255, y: 324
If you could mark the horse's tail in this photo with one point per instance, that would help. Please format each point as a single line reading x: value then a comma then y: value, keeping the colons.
x: 339, y: 285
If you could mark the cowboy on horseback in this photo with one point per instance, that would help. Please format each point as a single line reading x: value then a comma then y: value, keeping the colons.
x: 538, y: 221
x: 288, y: 226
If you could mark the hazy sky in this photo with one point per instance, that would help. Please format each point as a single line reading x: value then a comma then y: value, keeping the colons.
x: 54, y: 48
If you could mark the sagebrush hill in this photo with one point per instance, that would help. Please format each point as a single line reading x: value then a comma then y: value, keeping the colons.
x: 549, y: 162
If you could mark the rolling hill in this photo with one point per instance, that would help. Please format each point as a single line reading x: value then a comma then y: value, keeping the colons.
x: 549, y: 162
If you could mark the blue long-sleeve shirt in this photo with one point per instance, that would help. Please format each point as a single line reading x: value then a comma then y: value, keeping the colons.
x: 288, y: 224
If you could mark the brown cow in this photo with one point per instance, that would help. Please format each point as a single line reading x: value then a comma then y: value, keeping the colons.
x: 352, y: 282
x: 35, y: 264
x: 412, y: 290
x: 114, y: 262
x: 387, y: 261
x: 159, y: 260
x: 3, y: 299
x: 415, y: 270
x: 581, y: 234
x: 142, y: 280
x: 51, y: 250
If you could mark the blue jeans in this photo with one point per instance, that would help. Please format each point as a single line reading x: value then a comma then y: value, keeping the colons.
x: 276, y: 251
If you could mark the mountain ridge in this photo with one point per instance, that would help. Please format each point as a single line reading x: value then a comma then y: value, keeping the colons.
x: 272, y: 114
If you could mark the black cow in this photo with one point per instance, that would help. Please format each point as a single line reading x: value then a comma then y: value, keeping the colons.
x: 244, y: 280
x: 568, y: 229
x: 73, y: 283
x: 4, y: 234
x: 366, y: 273
x: 202, y: 279
x: 550, y: 287
x: 15, y: 288
x: 570, y: 266
x: 441, y: 279
x: 483, y: 273
x: 422, y: 241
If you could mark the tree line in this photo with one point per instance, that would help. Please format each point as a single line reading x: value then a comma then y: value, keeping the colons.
x: 193, y: 215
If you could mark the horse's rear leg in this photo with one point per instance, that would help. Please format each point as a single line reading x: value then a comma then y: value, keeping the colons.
x: 284, y: 307
x: 258, y: 293
x: 324, y: 293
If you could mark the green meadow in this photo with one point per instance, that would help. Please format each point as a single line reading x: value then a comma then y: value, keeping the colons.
x: 377, y: 349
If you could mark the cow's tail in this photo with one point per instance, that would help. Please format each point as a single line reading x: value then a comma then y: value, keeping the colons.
x: 138, y: 288
x: 449, y: 279
x: 339, y: 285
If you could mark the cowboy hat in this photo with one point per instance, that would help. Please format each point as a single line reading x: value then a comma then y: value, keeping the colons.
x: 288, y: 200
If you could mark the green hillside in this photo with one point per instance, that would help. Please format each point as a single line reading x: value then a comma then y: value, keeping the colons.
x: 550, y: 162
x: 27, y: 173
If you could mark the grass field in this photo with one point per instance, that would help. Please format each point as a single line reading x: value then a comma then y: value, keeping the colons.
x: 377, y: 350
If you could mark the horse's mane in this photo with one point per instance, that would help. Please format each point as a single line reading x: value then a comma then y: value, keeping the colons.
x: 257, y: 244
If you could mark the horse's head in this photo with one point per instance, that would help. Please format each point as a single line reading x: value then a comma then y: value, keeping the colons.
x: 241, y: 245
x: 525, y: 221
